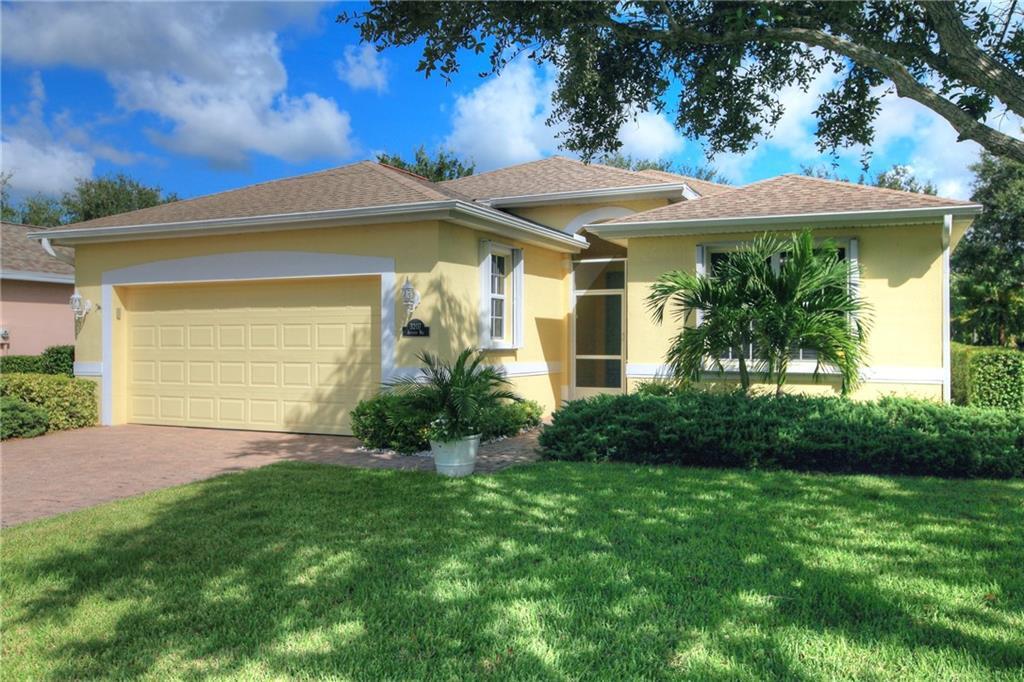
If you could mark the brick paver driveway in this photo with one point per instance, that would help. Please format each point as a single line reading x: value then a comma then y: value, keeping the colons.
x: 70, y: 470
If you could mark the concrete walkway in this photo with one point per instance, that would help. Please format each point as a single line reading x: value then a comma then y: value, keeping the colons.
x: 70, y: 470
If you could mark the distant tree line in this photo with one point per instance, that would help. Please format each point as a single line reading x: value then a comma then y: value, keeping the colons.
x: 90, y: 198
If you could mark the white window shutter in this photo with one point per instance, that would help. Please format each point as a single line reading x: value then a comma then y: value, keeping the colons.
x: 701, y: 267
x: 518, y: 302
x: 485, y: 293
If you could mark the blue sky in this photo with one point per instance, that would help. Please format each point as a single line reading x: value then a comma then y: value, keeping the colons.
x: 198, y: 98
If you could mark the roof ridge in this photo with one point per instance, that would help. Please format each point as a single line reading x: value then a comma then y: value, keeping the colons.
x: 425, y: 187
x: 498, y: 170
x: 684, y: 176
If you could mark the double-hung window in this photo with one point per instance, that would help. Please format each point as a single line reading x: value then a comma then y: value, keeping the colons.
x: 501, y: 294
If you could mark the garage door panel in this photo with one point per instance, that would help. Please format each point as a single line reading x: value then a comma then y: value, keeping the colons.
x: 207, y: 356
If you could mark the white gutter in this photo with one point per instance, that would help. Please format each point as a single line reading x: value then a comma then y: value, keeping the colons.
x: 484, y: 219
x: 32, y: 276
x: 668, y: 190
x: 663, y: 228
x: 48, y: 248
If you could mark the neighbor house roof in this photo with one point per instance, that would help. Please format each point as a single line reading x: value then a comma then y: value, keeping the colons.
x: 701, y: 187
x: 360, y: 192
x: 556, y: 176
x: 791, y: 198
x: 24, y: 258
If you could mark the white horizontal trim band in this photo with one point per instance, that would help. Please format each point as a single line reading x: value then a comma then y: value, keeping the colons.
x: 512, y: 369
x: 655, y: 228
x: 30, y: 276
x: 88, y: 369
x: 876, y: 375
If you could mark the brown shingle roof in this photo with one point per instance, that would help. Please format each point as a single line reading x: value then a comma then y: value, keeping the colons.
x: 358, y: 185
x: 19, y: 253
x: 701, y: 187
x: 546, y: 176
x: 790, y: 195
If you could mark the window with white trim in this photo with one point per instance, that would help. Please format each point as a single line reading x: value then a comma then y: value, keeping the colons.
x: 710, y: 256
x: 501, y: 270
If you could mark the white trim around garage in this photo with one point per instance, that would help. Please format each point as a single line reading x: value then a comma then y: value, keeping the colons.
x: 88, y: 369
x: 244, y: 266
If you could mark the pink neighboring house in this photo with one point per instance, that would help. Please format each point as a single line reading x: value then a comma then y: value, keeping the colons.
x: 34, y: 292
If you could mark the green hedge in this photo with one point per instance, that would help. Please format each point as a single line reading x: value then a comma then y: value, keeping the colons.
x: 53, y: 360
x: 890, y: 436
x: 21, y: 364
x: 21, y: 420
x: 69, y: 403
x: 396, y: 422
x: 988, y: 377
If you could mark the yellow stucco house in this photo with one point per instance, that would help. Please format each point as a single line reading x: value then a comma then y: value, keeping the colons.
x: 280, y: 305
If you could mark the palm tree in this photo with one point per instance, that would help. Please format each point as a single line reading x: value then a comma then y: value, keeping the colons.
x: 777, y: 295
x: 801, y: 293
x: 725, y: 324
x: 456, y: 392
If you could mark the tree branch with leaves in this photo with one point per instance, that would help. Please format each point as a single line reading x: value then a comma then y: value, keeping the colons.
x: 731, y: 61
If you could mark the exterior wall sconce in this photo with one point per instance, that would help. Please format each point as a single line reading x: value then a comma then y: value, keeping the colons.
x: 79, y: 306
x: 410, y: 298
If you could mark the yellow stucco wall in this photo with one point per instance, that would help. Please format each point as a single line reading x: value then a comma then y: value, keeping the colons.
x: 901, y: 279
x: 440, y: 259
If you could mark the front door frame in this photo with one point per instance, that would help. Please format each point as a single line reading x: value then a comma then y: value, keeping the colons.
x: 576, y: 392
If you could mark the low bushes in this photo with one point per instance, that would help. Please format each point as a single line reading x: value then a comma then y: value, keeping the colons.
x: 394, y: 421
x: 20, y: 420
x: 988, y: 377
x: 53, y: 360
x: 890, y: 436
x: 68, y: 403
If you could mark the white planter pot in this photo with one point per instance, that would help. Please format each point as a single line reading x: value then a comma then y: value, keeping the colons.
x: 455, y: 457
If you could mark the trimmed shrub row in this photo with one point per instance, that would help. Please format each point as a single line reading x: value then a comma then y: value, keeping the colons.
x: 20, y: 420
x: 393, y: 421
x: 53, y: 360
x: 68, y: 403
x: 988, y: 377
x: 694, y: 428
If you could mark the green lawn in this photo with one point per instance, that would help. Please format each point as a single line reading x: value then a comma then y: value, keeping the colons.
x: 548, y: 571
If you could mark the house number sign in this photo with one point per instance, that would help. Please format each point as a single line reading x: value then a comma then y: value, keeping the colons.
x: 415, y: 328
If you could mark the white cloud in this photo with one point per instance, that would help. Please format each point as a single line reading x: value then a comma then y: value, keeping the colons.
x: 212, y: 72
x: 49, y: 167
x: 363, y: 68
x: 650, y: 136
x: 503, y: 121
x: 36, y: 159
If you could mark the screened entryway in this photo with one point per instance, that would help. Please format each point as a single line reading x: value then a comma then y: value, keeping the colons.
x: 599, y: 286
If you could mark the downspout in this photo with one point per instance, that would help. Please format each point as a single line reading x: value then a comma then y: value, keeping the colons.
x: 947, y: 232
x: 48, y: 248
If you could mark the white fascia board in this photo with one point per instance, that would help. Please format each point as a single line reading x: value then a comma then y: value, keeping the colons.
x: 486, y: 219
x: 489, y: 220
x: 668, y: 190
x: 29, y: 276
x: 666, y: 228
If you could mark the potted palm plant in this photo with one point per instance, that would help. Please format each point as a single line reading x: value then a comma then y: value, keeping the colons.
x: 457, y: 393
